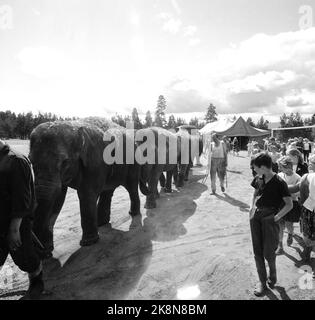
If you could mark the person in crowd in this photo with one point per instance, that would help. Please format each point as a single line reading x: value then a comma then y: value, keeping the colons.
x: 307, y: 149
x: 291, y: 178
x: 300, y: 144
x: 283, y: 149
x: 266, y: 143
x: 272, y: 144
x: 275, y: 156
x: 299, y: 166
x: 218, y: 163
x: 227, y: 142
x: 235, y: 146
x: 255, y: 150
x: 270, y: 193
x: 16, y: 211
x: 249, y: 147
x: 290, y: 140
x: 307, y: 198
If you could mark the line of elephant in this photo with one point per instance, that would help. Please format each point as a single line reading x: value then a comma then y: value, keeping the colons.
x: 70, y: 154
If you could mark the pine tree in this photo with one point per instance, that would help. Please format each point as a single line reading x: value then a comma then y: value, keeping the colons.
x: 211, y: 115
x: 194, y: 122
x: 160, y: 120
x: 148, y: 122
x: 250, y: 122
x: 135, y: 118
x: 262, y: 123
x: 171, y: 122
x: 180, y: 122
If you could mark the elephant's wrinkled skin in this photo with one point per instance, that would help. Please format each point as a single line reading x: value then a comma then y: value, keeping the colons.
x: 152, y: 173
x: 195, y: 146
x: 70, y: 154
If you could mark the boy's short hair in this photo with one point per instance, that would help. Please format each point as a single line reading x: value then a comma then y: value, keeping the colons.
x: 262, y: 159
x: 286, y: 162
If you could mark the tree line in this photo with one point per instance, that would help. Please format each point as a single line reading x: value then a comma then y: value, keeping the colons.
x: 21, y: 125
x: 157, y: 119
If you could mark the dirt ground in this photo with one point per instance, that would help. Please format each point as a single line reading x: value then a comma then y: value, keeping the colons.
x: 192, y: 239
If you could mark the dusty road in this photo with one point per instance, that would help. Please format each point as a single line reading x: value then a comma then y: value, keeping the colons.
x: 192, y: 239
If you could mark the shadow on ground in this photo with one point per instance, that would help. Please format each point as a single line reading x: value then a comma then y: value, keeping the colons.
x: 107, y: 270
x: 234, y: 202
x: 166, y: 224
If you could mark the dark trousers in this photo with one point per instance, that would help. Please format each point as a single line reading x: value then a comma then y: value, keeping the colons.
x: 25, y: 257
x: 306, y: 155
x: 265, y: 238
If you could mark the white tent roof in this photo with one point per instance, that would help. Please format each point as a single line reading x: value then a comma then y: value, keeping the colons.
x: 217, y: 126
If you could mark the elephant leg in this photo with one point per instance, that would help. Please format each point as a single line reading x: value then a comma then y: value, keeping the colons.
x: 162, y: 180
x: 181, y: 175
x: 103, y: 207
x: 132, y: 188
x: 187, y: 171
x: 88, y: 212
x: 175, y: 174
x: 169, y: 175
x: 134, y: 212
x: 153, y: 182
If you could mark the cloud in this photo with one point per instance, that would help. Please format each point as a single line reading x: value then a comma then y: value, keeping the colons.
x: 138, y: 49
x: 190, y: 31
x: 170, y: 23
x: 265, y: 74
x: 182, y: 97
x: 135, y: 18
x: 194, y: 42
x: 43, y: 62
x: 176, y: 7
x: 36, y: 12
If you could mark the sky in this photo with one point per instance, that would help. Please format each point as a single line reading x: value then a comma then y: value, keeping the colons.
x: 101, y: 57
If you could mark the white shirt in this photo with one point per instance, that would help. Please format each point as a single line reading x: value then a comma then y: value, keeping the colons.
x: 291, y: 180
x: 306, y: 146
x: 217, y: 151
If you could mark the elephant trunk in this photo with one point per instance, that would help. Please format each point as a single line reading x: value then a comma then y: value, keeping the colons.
x: 46, y: 192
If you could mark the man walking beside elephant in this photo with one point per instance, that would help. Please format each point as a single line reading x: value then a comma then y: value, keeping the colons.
x: 218, y: 163
x: 16, y: 208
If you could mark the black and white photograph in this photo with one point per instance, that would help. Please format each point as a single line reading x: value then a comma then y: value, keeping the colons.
x: 158, y: 150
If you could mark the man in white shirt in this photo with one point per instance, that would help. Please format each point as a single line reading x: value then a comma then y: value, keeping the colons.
x: 218, y: 163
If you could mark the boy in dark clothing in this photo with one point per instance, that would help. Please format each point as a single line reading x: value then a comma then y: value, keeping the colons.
x: 16, y: 208
x: 271, y: 193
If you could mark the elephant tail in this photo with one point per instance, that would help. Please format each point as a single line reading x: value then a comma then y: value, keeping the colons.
x: 143, y: 187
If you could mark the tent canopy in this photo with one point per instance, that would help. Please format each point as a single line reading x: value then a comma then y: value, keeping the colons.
x: 230, y: 128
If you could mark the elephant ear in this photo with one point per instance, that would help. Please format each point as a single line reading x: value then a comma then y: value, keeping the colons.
x: 90, y: 147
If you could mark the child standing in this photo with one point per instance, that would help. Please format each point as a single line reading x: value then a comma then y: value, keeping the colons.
x: 291, y: 178
x: 265, y: 213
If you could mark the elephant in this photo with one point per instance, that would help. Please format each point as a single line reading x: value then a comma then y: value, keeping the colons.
x: 71, y: 154
x: 195, y: 145
x: 152, y: 173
